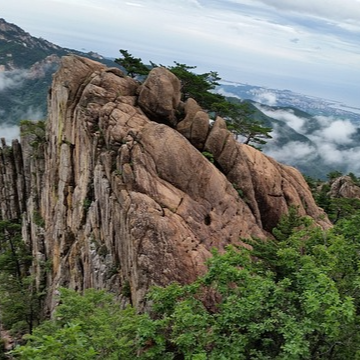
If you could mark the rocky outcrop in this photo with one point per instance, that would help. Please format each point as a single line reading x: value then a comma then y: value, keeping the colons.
x: 267, y: 187
x: 12, y: 181
x: 159, y: 96
x: 126, y: 196
x: 344, y: 187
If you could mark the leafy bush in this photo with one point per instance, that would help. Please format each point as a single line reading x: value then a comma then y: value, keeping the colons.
x: 89, y: 326
x: 209, y: 156
x: 294, y: 298
x: 293, y: 302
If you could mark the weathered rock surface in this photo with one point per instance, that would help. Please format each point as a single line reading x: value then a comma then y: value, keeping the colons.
x: 126, y: 197
x: 159, y: 96
x: 344, y: 187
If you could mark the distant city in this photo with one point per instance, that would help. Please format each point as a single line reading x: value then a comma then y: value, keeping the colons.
x: 286, y: 98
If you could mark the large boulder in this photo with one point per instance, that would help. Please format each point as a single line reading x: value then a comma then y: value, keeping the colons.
x: 159, y: 96
x: 196, y: 124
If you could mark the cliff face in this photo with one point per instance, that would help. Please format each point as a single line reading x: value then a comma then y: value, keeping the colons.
x: 125, y: 196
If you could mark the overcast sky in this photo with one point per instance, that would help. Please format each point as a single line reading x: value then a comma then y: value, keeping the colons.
x: 308, y: 46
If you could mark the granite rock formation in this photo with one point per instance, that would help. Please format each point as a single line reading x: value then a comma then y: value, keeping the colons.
x: 125, y: 195
x: 344, y: 187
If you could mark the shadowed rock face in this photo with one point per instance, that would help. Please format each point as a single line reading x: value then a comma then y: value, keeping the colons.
x: 126, y: 195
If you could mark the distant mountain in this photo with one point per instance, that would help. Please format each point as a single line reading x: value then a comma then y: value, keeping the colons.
x: 26, y: 67
x: 20, y: 50
x: 287, y: 98
x: 315, y: 135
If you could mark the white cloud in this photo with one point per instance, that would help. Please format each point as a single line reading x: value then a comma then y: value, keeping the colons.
x: 32, y: 114
x: 265, y: 97
x: 330, y: 129
x: 288, y: 116
x: 353, y: 27
x: 334, y: 9
x: 227, y: 93
x: 292, y: 152
x: 300, y: 153
x: 9, y: 132
x: 336, y: 132
x: 330, y: 154
x: 352, y: 157
x: 324, y: 121
x: 347, y: 159
x: 133, y: 4
x: 327, y: 142
x: 11, y: 79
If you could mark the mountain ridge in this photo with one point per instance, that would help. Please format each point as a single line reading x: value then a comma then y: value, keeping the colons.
x: 122, y: 193
x: 286, y: 98
x: 24, y: 90
x: 27, y: 64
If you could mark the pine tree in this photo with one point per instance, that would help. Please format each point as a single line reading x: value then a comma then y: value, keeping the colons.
x: 133, y: 66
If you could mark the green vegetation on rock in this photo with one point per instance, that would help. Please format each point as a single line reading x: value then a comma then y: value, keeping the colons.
x: 240, y: 116
x: 336, y: 206
x: 19, y: 299
x: 293, y: 298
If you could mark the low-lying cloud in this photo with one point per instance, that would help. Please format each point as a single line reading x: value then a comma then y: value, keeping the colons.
x: 9, y: 132
x: 288, y: 116
x: 226, y: 93
x: 31, y: 113
x: 338, y: 132
x: 12, y: 78
x: 264, y: 97
x: 293, y: 152
x: 331, y: 140
x: 17, y: 113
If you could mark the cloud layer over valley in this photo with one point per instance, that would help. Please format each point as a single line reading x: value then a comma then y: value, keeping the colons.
x: 12, y: 78
x: 334, y: 142
x: 19, y: 99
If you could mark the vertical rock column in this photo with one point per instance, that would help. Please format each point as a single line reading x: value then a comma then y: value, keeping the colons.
x: 12, y: 181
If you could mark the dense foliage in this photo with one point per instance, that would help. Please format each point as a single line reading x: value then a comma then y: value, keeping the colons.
x: 19, y: 301
x: 293, y: 298
x: 89, y: 326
